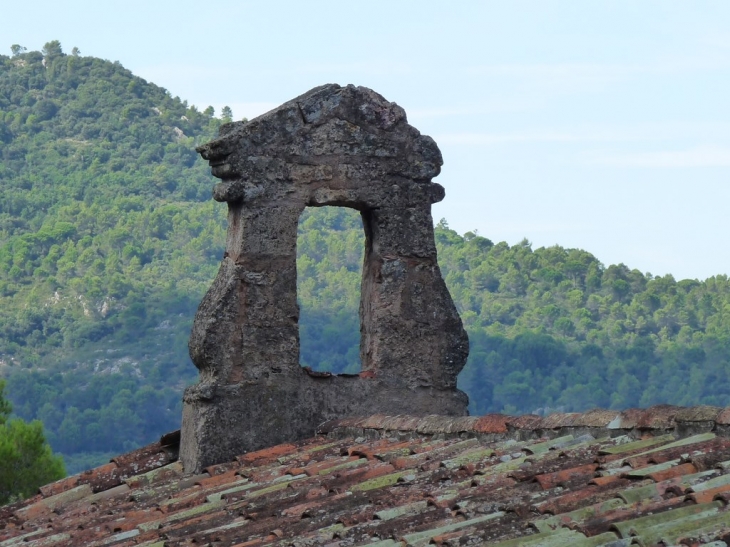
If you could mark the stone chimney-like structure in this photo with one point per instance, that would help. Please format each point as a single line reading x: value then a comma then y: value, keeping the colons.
x: 342, y: 146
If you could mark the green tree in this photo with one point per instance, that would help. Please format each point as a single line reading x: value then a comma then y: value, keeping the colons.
x: 52, y: 49
x: 17, y: 49
x: 226, y: 114
x: 26, y: 460
x: 5, y: 407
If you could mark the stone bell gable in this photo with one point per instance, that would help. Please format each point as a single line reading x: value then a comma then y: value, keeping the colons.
x: 340, y: 146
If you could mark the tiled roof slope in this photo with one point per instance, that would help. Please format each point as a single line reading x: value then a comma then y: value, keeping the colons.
x: 659, y: 476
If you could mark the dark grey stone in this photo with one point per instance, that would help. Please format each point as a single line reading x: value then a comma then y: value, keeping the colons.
x: 343, y: 146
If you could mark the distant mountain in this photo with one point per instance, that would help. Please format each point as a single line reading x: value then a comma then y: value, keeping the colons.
x: 109, y: 239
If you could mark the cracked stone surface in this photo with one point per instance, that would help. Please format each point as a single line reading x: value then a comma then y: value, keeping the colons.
x: 341, y: 146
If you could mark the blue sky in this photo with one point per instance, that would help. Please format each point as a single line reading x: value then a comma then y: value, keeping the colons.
x: 598, y: 125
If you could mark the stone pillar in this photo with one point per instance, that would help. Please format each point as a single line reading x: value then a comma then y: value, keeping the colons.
x: 406, y: 311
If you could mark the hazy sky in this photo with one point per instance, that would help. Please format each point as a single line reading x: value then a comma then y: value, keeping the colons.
x: 599, y: 125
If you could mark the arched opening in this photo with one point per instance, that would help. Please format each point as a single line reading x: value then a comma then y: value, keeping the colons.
x: 330, y: 247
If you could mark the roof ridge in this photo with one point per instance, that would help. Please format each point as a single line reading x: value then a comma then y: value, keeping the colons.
x: 681, y: 421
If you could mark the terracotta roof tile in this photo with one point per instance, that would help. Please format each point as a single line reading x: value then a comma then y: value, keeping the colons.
x: 221, y: 468
x: 448, y: 481
x: 400, y: 423
x: 381, y: 451
x: 558, y: 420
x: 703, y: 413
x: 706, y: 496
x: 527, y: 421
x: 373, y: 422
x: 564, y: 476
x: 137, y: 455
x: 217, y: 480
x: 595, y: 418
x: 711, y: 458
x: 266, y: 454
x: 432, y: 425
x: 599, y: 524
x: 658, y: 417
x: 490, y: 423
x: 724, y: 417
x: 462, y: 424
x: 408, y: 423
x: 60, y: 486
x: 589, y: 495
x: 627, y: 419
x: 51, y: 503
x: 674, y: 471
x: 157, y: 475
x: 628, y: 446
x: 603, y: 481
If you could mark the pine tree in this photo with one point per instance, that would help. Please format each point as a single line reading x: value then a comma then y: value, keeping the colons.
x: 26, y: 460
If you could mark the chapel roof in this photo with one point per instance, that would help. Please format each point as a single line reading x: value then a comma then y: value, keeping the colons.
x: 656, y: 476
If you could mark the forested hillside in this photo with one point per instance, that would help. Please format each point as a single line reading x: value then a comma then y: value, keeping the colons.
x: 550, y: 328
x: 109, y: 238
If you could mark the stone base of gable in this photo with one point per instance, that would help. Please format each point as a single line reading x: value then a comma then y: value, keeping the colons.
x: 266, y: 413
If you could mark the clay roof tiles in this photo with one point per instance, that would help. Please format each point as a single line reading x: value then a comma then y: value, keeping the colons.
x: 658, y: 476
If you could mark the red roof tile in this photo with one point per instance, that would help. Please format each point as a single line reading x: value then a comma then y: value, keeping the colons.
x: 491, y: 423
x: 267, y: 454
x: 138, y: 455
x: 558, y: 420
x: 527, y: 421
x: 657, y: 417
x: 724, y: 417
x: 702, y: 413
x: 418, y: 480
x: 596, y: 417
x: 564, y: 476
x: 676, y: 471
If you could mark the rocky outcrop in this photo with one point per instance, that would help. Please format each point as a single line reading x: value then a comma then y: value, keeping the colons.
x: 342, y: 146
